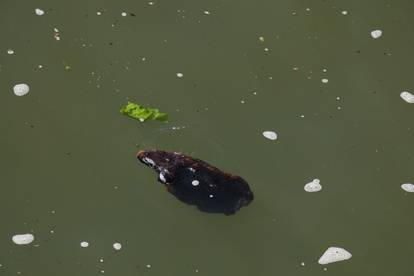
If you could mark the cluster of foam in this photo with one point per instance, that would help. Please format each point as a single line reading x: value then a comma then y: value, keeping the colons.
x: 334, y: 254
x: 23, y: 239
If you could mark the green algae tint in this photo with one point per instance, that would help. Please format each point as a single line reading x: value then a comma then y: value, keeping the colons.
x: 142, y: 114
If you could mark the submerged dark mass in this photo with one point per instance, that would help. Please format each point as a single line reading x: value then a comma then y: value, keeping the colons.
x: 196, y: 182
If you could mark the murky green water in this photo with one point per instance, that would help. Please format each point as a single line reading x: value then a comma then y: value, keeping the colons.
x: 69, y: 172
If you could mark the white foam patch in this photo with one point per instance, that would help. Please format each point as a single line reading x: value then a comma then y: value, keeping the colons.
x: 117, y: 246
x: 39, y: 12
x: 21, y: 89
x: 195, y: 183
x: 84, y: 244
x: 271, y: 135
x: 334, y: 254
x: 23, y: 239
x: 180, y: 75
x: 313, y: 186
x: 324, y: 80
x: 407, y: 96
x: 376, y: 34
x: 408, y: 187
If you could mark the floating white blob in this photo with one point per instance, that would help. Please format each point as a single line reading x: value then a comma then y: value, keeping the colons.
x: 148, y: 266
x: 408, y: 187
x: 39, y: 12
x: 206, y: 12
x: 84, y: 244
x: 10, y: 51
x: 324, y: 80
x: 21, y: 89
x: 313, y: 186
x: 117, y: 246
x: 376, y: 33
x: 124, y: 14
x: 344, y: 12
x: 271, y: 135
x: 407, y: 96
x: 180, y: 75
x: 23, y: 239
x: 334, y: 254
x: 195, y: 183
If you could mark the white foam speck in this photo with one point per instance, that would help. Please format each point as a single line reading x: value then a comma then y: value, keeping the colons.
x: 148, y: 266
x: 334, y: 254
x: 10, y: 51
x: 98, y: 13
x: 302, y: 263
x: 376, y: 33
x: 117, y: 246
x: 84, y: 244
x: 408, y: 187
x: 206, y: 12
x: 195, y: 183
x: 180, y: 75
x: 313, y: 186
x: 151, y: 3
x: 21, y: 89
x: 39, y: 12
x: 23, y: 239
x: 271, y: 135
x: 324, y: 80
x: 124, y: 14
x: 407, y: 96
x: 211, y: 196
x: 344, y: 12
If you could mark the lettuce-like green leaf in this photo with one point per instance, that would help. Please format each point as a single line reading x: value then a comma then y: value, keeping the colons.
x: 142, y: 114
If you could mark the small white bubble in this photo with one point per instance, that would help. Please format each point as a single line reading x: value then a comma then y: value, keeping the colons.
x: 376, y: 33
x: 271, y: 135
x: 124, y: 14
x: 39, y: 12
x: 324, y: 80
x: 148, y: 266
x: 313, y: 186
x: 84, y: 244
x: 180, y: 75
x: 98, y: 13
x: 344, y: 12
x: 407, y: 96
x: 21, y: 89
x: 117, y: 246
x: 211, y: 196
x: 206, y: 12
x: 408, y: 187
x: 195, y: 183
x: 10, y: 51
x: 23, y: 239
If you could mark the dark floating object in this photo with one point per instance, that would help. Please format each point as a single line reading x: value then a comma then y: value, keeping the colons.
x: 196, y: 182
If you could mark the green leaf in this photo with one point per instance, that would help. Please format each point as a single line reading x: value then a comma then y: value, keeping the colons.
x: 142, y: 114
